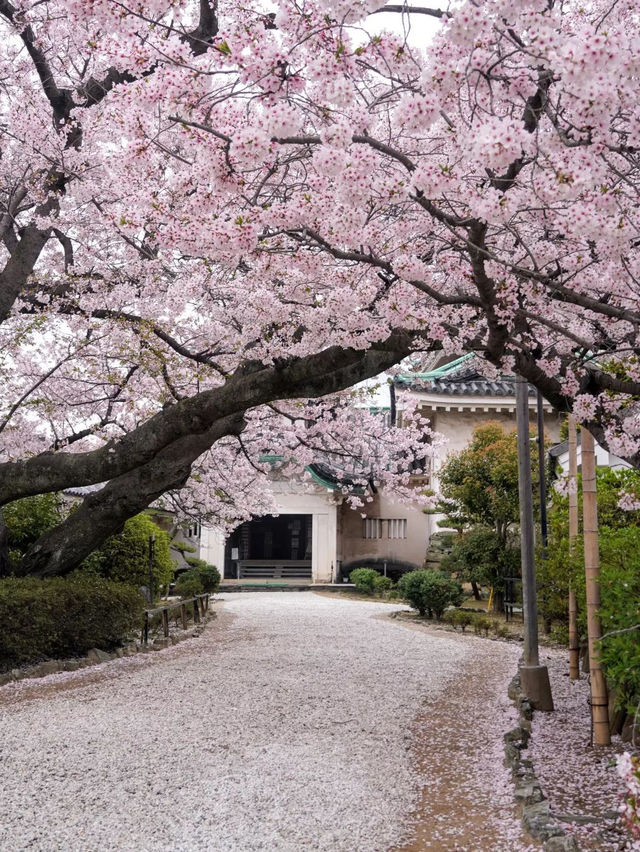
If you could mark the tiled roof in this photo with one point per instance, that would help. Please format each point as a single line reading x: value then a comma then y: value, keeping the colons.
x: 459, y: 378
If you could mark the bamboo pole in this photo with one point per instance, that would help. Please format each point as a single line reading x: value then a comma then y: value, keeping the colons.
x: 599, y: 698
x: 574, y: 645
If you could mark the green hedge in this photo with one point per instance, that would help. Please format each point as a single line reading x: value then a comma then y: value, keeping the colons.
x: 430, y: 592
x: 61, y: 617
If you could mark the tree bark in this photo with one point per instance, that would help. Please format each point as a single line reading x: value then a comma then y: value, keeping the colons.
x: 574, y: 643
x: 329, y: 371
x: 599, y: 698
x: 103, y: 513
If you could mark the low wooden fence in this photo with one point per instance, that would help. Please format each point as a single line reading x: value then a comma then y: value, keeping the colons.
x: 195, y: 608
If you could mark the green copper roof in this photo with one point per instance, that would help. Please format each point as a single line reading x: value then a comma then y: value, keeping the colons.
x: 443, y: 370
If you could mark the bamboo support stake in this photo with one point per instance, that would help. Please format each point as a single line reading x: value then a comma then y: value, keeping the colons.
x: 599, y: 698
x: 574, y: 645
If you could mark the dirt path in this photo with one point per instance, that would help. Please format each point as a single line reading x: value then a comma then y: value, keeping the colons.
x: 288, y: 725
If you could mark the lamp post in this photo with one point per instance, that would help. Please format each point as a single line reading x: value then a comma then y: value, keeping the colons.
x: 534, y: 678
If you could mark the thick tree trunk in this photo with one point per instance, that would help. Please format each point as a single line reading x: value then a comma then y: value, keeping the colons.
x: 599, y: 698
x: 253, y: 384
x: 475, y: 588
x: 103, y: 513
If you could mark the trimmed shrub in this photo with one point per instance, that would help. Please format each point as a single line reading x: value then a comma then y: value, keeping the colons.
x: 208, y: 574
x: 482, y: 624
x: 64, y: 617
x: 382, y: 584
x: 364, y: 579
x: 430, y: 592
x: 189, y: 584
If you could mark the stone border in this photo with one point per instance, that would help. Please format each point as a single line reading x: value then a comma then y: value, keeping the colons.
x: 537, y: 818
x: 95, y: 656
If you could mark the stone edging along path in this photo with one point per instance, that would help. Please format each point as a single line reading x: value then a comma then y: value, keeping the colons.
x: 95, y: 656
x: 537, y: 818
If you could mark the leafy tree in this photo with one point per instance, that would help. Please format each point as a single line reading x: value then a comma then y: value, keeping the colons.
x: 480, y: 487
x: 125, y: 557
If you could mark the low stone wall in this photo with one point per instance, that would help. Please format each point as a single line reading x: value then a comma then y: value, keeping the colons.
x: 96, y: 656
x: 537, y: 818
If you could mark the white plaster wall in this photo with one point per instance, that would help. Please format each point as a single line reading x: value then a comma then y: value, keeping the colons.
x: 354, y: 546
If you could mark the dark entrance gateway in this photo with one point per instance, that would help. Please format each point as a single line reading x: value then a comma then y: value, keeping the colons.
x: 272, y: 547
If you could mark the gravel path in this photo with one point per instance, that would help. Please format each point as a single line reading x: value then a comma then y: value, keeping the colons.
x: 287, y: 726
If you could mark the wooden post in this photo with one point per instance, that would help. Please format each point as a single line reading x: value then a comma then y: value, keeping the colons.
x: 534, y: 678
x: 183, y: 615
x: 599, y: 698
x: 165, y: 622
x: 574, y: 644
x: 145, y: 629
x: 196, y: 611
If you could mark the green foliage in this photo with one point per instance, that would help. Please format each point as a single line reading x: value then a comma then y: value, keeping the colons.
x: 430, y: 592
x: 189, y: 584
x: 480, y: 490
x: 28, y: 519
x: 382, y: 584
x: 481, y: 556
x: 480, y: 483
x: 364, y: 579
x: 208, y: 574
x: 125, y: 557
x: 620, y: 609
x: 483, y: 624
x: 459, y: 618
x: 619, y: 544
x: 64, y: 617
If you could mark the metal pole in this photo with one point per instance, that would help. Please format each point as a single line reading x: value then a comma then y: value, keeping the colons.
x: 529, y: 602
x: 534, y: 678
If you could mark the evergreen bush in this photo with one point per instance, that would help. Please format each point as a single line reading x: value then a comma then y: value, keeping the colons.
x: 189, y: 584
x: 64, y: 617
x: 430, y: 592
x: 208, y: 574
x: 364, y: 579
x: 382, y: 584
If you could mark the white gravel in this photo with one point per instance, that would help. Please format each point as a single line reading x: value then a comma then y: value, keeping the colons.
x: 284, y: 728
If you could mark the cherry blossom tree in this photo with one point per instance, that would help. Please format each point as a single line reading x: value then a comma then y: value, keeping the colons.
x: 212, y: 214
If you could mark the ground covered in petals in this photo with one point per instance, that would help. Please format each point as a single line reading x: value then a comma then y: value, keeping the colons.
x: 295, y: 722
x: 577, y: 779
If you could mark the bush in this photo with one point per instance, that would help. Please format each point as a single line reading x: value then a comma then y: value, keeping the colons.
x: 458, y: 618
x: 208, y: 574
x: 27, y: 520
x: 482, y: 624
x: 364, y: 579
x: 189, y: 584
x: 382, y: 584
x: 430, y: 592
x: 125, y: 557
x: 64, y: 617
